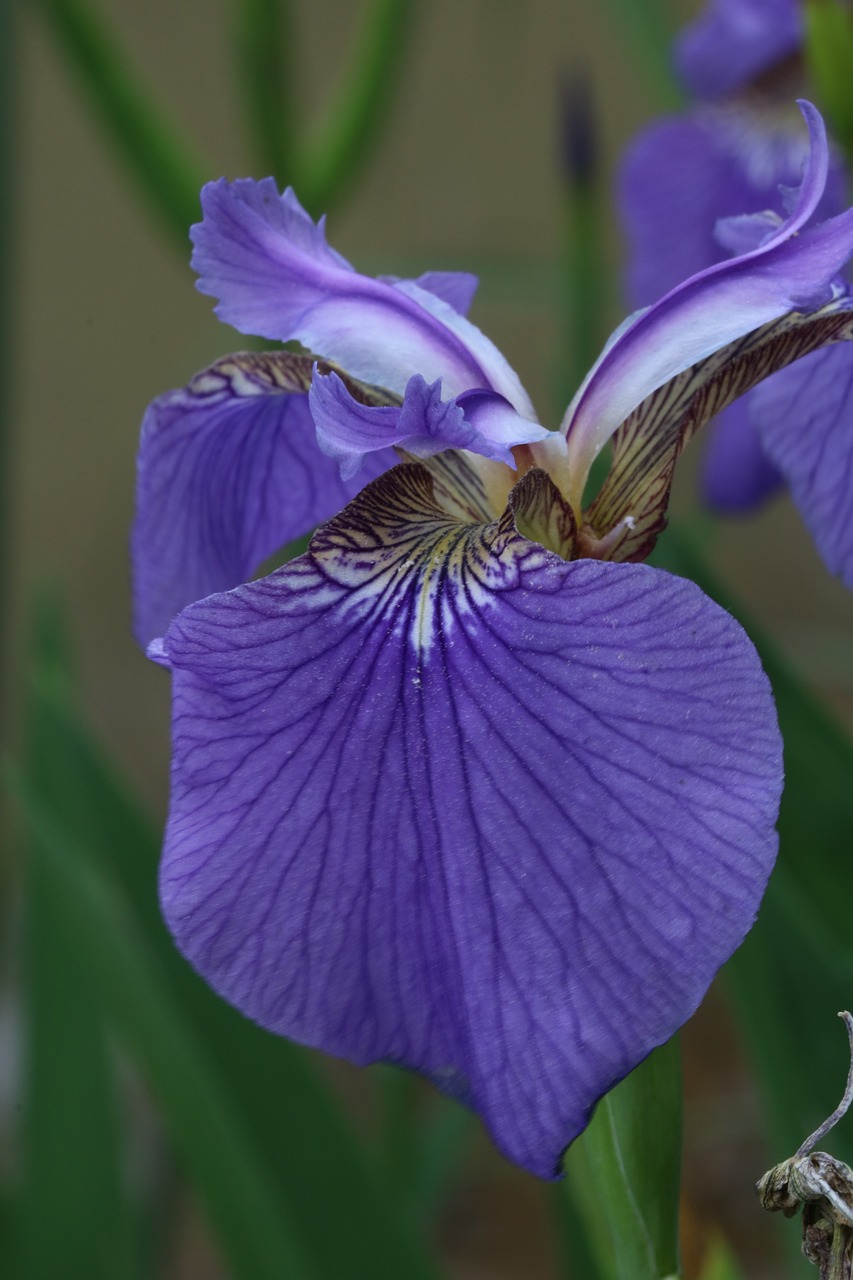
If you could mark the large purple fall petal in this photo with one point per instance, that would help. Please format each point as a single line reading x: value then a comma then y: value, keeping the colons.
x: 270, y: 266
x: 793, y: 270
x: 804, y: 416
x: 737, y: 475
x: 444, y: 799
x: 229, y: 470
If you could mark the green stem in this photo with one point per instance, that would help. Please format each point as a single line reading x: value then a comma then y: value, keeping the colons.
x: 165, y: 172
x: 262, y: 38
x: 624, y: 1171
x: 338, y: 149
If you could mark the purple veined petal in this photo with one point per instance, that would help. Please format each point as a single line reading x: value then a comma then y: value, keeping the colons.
x: 684, y: 175
x: 269, y: 265
x: 443, y: 799
x: 734, y: 41
x: 629, y: 511
x: 479, y: 421
x: 675, y: 182
x: 737, y: 475
x: 790, y: 272
x: 228, y: 471
x: 803, y: 416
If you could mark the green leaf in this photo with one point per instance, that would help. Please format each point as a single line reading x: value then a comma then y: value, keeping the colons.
x: 336, y: 152
x: 720, y: 1264
x: 72, y: 1217
x: 250, y: 1223
x: 624, y: 1172
x: 829, y: 53
x: 166, y: 172
x: 646, y: 30
x: 263, y: 35
x: 300, y: 1147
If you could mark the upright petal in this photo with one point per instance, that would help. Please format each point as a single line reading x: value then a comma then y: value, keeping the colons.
x: 734, y: 41
x: 790, y: 272
x: 676, y: 180
x: 737, y: 475
x: 444, y: 799
x: 630, y: 510
x: 228, y: 471
x: 804, y: 417
x: 270, y: 266
x: 684, y: 175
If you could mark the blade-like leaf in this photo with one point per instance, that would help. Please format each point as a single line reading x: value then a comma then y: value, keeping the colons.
x: 624, y: 1172
x: 133, y: 989
x: 72, y: 1215
x: 263, y: 36
x: 336, y: 153
x: 829, y: 53
x: 161, y: 163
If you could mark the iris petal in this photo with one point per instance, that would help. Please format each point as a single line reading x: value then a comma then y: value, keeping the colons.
x: 275, y: 275
x: 630, y: 509
x: 441, y: 798
x: 229, y: 470
x: 733, y: 41
x: 803, y: 416
x: 480, y: 421
x: 789, y: 272
x: 737, y: 475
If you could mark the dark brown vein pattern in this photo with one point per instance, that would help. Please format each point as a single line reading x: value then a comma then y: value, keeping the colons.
x: 629, y: 512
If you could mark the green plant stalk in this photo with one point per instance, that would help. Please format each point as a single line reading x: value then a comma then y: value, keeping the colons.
x: 166, y: 172
x: 646, y: 29
x: 624, y: 1171
x: 249, y: 1222
x: 338, y: 149
x: 263, y: 36
x: 829, y: 54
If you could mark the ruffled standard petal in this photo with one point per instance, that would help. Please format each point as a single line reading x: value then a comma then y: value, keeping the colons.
x: 268, y: 263
x: 737, y: 475
x: 481, y: 422
x: 734, y: 41
x: 804, y: 417
x: 443, y: 799
x: 228, y: 471
x: 790, y: 272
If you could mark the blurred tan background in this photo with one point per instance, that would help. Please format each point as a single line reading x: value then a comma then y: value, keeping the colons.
x: 466, y: 175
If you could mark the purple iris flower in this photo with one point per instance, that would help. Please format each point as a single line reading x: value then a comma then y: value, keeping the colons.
x: 465, y: 787
x: 682, y: 182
